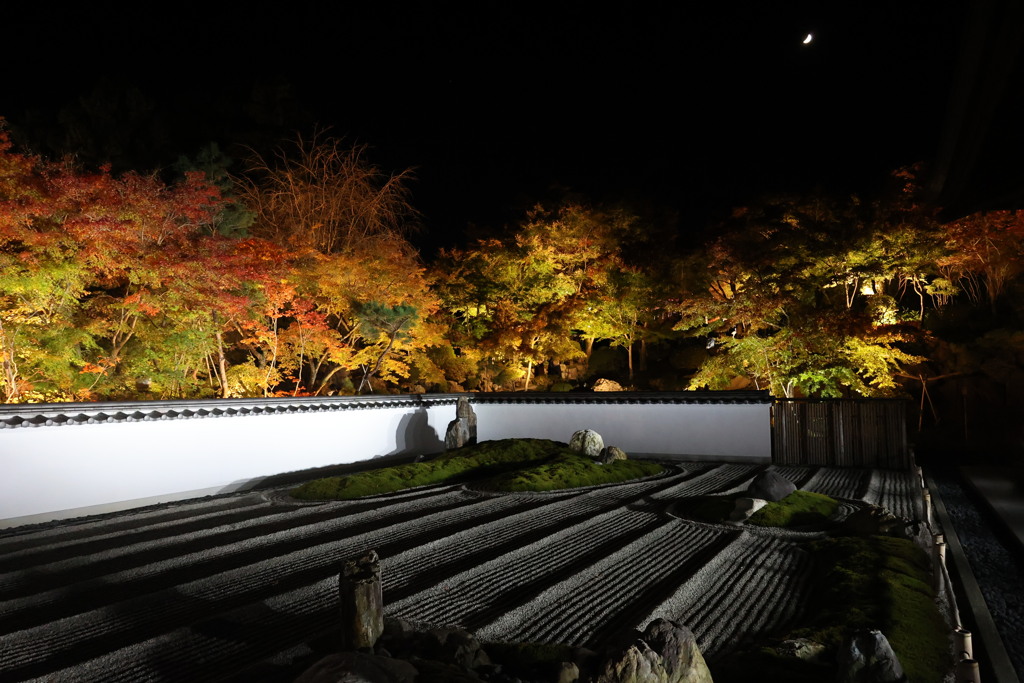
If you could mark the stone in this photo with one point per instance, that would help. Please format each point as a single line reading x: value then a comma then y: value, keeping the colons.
x: 462, y: 430
x: 362, y: 602
x: 587, y: 443
x: 770, y: 486
x: 801, y: 648
x: 611, y: 453
x: 359, y: 667
x: 464, y: 411
x: 868, y: 658
x: 744, y: 508
x: 568, y: 672
x: 875, y: 520
x: 457, y: 434
x: 607, y: 385
x: 666, y: 652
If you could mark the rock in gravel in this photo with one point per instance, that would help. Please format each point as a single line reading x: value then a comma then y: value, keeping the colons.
x: 358, y: 667
x: 744, y: 508
x: 362, y: 602
x: 770, y: 486
x: 665, y: 653
x: 868, y: 658
x: 587, y: 442
x: 610, y: 454
x: 607, y: 385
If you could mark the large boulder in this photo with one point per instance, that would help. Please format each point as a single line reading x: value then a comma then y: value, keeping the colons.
x: 770, y: 486
x: 607, y: 385
x: 587, y: 442
x: 868, y: 658
x: 665, y: 653
x: 611, y: 454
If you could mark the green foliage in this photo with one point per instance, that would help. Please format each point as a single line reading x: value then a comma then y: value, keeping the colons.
x: 503, y: 465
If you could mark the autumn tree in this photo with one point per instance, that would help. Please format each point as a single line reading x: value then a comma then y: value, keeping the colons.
x: 324, y: 195
x: 520, y: 302
x: 344, y: 223
x: 766, y: 307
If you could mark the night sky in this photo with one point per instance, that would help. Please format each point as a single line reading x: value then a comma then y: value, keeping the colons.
x: 687, y: 110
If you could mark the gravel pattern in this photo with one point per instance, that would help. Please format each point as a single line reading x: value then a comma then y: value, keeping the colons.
x: 244, y: 587
x: 997, y: 563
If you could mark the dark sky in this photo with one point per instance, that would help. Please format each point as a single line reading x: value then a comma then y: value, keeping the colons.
x: 498, y: 105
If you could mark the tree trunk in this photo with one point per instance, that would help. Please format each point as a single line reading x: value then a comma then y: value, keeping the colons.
x: 629, y: 357
x: 222, y: 363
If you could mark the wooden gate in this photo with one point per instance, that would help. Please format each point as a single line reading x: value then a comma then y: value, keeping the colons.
x: 841, y: 433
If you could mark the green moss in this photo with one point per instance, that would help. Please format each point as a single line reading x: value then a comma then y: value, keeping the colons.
x: 570, y: 471
x: 882, y: 583
x: 800, y: 508
x: 503, y: 465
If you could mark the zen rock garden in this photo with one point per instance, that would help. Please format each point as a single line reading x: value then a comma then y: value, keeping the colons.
x: 667, y: 576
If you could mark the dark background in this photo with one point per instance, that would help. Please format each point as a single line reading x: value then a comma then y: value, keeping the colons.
x: 684, y: 111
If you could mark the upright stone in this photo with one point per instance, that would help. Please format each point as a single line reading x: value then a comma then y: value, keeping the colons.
x: 362, y: 603
x: 464, y: 411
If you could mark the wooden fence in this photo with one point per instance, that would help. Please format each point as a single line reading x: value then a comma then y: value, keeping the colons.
x: 841, y: 433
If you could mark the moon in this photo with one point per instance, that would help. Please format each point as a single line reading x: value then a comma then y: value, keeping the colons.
x: 808, y: 39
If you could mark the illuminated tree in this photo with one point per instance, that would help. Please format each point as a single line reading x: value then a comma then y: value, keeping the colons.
x: 325, y: 196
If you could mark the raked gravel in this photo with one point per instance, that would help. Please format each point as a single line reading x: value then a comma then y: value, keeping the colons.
x: 244, y: 587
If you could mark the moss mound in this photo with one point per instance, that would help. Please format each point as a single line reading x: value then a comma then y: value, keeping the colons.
x: 798, y: 509
x: 861, y: 583
x: 503, y: 465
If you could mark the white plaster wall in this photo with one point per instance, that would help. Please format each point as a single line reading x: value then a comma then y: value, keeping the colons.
x: 682, y: 431
x: 54, y: 472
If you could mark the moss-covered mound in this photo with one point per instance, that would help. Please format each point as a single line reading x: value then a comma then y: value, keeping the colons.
x: 503, y: 465
x: 876, y: 582
x: 798, y: 509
